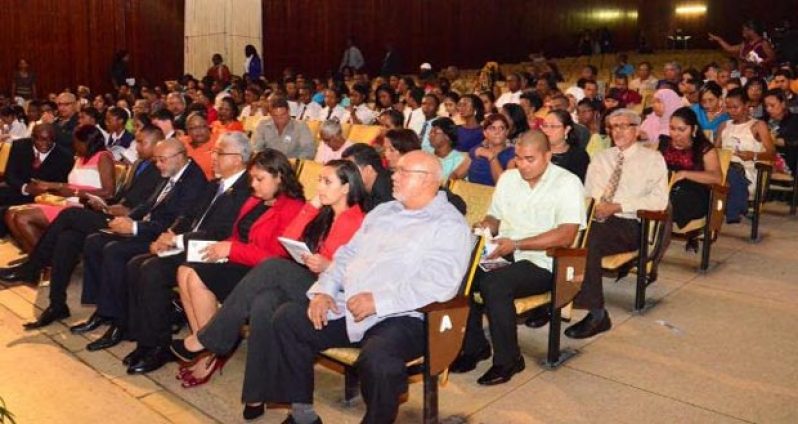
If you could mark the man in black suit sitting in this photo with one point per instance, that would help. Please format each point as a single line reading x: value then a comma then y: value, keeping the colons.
x: 62, y: 244
x: 107, y: 253
x: 151, y: 278
x: 30, y: 160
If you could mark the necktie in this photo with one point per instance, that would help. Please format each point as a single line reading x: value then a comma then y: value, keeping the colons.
x: 219, y: 192
x: 302, y: 115
x: 615, y: 178
x: 424, y: 130
x: 162, y: 195
x: 409, y: 116
x: 37, y: 161
x: 329, y: 114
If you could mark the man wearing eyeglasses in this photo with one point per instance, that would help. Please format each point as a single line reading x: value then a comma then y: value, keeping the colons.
x: 622, y: 180
x: 67, y: 120
x: 151, y: 277
x: 106, y: 253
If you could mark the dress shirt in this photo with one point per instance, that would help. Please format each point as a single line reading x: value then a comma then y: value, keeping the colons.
x: 296, y: 141
x: 308, y: 112
x: 406, y: 258
x: 643, y: 183
x: 558, y: 198
x: 639, y: 85
x: 508, y: 97
x: 42, y: 157
x: 363, y: 113
x: 336, y: 113
x: 352, y: 58
x: 174, y: 181
x: 426, y: 127
x: 414, y: 119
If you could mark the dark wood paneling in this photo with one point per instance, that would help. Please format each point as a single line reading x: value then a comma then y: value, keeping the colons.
x: 73, y: 42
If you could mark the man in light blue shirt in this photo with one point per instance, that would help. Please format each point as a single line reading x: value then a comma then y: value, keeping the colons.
x: 407, y: 254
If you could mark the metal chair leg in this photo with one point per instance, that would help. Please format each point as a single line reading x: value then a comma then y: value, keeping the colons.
x: 430, y: 398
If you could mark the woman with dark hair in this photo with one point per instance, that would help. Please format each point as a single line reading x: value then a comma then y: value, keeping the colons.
x: 226, y: 121
x: 750, y: 140
x: 23, y: 82
x: 398, y: 142
x: 783, y: 126
x: 93, y: 173
x: 754, y: 49
x: 205, y: 97
x: 443, y: 138
x: 324, y: 224
x: 277, y: 197
x: 384, y: 98
x: 559, y: 129
x: 253, y: 68
x: 695, y: 165
x: 518, y: 122
x: 754, y: 91
x: 448, y: 107
x: 709, y: 109
x: 119, y: 69
x: 472, y: 112
x: 488, y: 102
x: 486, y: 162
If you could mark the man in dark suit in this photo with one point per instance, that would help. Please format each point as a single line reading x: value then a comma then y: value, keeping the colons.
x: 30, y: 159
x: 106, y: 254
x: 62, y: 244
x: 391, y: 62
x: 151, y: 278
x: 67, y: 120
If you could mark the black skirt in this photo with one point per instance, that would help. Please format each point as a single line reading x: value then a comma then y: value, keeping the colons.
x: 690, y: 200
x: 221, y: 278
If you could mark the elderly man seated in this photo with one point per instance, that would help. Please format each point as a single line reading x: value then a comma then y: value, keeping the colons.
x: 622, y: 180
x: 333, y: 143
x: 407, y: 254
x: 535, y: 207
x: 283, y: 133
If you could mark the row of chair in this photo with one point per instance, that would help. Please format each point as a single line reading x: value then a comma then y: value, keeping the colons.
x: 357, y: 133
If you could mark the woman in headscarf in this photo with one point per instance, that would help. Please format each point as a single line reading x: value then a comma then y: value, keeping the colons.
x: 666, y: 101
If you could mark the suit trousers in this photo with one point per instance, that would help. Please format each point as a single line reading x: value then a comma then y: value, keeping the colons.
x: 498, y: 289
x: 613, y: 236
x: 151, y: 280
x: 256, y: 298
x: 105, y: 262
x: 385, y: 349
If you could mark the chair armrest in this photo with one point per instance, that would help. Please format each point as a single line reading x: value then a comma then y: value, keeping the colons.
x: 457, y: 302
x: 764, y: 166
x: 565, y: 252
x: 718, y: 188
x: 653, y: 215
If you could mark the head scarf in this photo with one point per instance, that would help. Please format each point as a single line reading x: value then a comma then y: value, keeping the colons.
x: 654, y: 126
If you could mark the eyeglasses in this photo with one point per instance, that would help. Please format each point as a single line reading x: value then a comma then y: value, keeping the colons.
x: 405, y: 171
x: 221, y: 153
x: 165, y: 158
x: 500, y: 128
x: 621, y: 127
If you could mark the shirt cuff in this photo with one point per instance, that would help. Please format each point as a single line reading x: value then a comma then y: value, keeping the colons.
x: 24, y: 190
x: 135, y: 229
x: 178, y: 241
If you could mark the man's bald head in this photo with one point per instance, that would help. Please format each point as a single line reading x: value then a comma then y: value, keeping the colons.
x: 170, y: 157
x: 534, y: 138
x: 67, y: 105
x: 416, y: 179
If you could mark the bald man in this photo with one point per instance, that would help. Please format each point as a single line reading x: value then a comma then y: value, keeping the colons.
x: 407, y: 254
x: 535, y: 207
x: 66, y: 121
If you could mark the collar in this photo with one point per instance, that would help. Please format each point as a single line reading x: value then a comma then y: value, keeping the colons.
x: 179, y: 174
x: 229, y: 181
x: 630, y: 151
x: 117, y: 136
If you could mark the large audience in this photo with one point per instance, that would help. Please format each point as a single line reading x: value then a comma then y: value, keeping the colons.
x: 182, y: 201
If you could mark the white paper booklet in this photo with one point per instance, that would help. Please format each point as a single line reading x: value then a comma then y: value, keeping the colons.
x: 297, y: 249
x: 195, y: 248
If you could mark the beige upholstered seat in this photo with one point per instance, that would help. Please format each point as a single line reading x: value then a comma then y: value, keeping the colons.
x: 308, y: 174
x: 476, y: 196
x: 364, y: 133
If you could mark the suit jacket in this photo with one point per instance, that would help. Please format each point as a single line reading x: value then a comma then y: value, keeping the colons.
x: 140, y: 187
x: 20, y: 170
x: 263, y: 235
x: 183, y: 196
x: 217, y: 217
x: 64, y: 131
x: 124, y: 141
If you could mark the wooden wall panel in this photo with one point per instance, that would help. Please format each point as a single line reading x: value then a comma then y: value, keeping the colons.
x: 73, y: 42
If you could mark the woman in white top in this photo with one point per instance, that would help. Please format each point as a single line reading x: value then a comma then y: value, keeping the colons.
x: 10, y: 127
x: 750, y: 141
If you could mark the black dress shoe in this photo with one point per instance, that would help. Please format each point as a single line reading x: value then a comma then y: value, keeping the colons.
x: 502, y: 374
x: 589, y: 327
x: 290, y: 420
x: 538, y: 317
x: 253, y: 411
x: 135, y: 355
x: 153, y: 359
x: 94, y: 322
x: 24, y: 273
x: 466, y: 362
x: 48, y: 316
x: 112, y: 337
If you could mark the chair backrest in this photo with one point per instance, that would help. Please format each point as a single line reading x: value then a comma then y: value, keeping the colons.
x: 251, y: 122
x: 473, y: 262
x: 308, y: 175
x: 314, y: 126
x: 5, y: 151
x: 121, y: 172
x: 725, y: 156
x: 477, y: 198
x: 364, y: 133
x: 581, y: 238
x: 346, y: 129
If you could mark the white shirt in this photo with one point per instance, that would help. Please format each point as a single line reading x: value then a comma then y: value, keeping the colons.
x: 16, y: 130
x: 325, y: 154
x: 363, y: 113
x: 643, y: 184
x: 336, y: 113
x: 414, y: 119
x: 42, y: 158
x: 352, y: 58
x: 523, y: 211
x: 508, y: 97
x: 308, y: 112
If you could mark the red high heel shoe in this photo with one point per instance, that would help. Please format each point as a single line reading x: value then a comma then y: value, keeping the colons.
x: 190, y: 381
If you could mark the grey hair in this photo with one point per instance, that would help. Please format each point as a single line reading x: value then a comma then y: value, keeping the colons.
x: 631, y: 115
x: 177, y: 96
x: 330, y: 128
x: 241, y: 143
x: 675, y: 64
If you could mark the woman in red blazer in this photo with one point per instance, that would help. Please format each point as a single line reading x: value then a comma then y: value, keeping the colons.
x: 277, y: 198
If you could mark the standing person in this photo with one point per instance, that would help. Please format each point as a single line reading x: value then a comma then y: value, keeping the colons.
x: 23, y: 82
x: 754, y: 48
x: 219, y: 71
x: 253, y: 67
x: 352, y: 57
x: 120, y: 72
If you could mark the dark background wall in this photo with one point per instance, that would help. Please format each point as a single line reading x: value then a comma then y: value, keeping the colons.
x: 70, y: 42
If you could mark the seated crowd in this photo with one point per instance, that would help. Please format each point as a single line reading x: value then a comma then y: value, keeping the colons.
x: 168, y: 202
